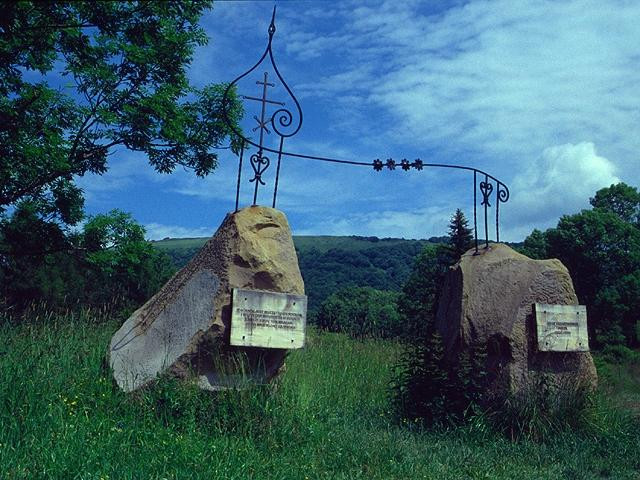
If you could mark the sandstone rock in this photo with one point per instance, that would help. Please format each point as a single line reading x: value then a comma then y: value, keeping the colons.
x: 184, y: 328
x: 488, y: 299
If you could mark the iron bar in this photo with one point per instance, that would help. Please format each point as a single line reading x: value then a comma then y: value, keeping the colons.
x: 275, y: 188
x: 255, y: 194
x: 502, y: 195
x: 239, y: 175
x: 497, y: 213
x: 259, y: 163
x: 486, y: 188
x: 475, y: 207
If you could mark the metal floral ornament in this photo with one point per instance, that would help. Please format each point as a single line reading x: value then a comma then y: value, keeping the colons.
x: 281, y: 117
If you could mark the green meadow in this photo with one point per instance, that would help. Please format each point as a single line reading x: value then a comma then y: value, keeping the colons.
x: 327, y: 416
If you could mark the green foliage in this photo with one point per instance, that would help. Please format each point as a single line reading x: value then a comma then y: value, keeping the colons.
x: 536, y: 245
x: 434, y: 389
x: 621, y: 199
x: 601, y: 249
x: 35, y: 260
x: 125, y: 64
x: 124, y: 67
x: 125, y: 266
x: 460, y: 239
x: 381, y: 266
x: 361, y: 312
x: 541, y: 412
x: 620, y: 354
x: 602, y: 253
x: 418, y: 300
x: 108, y: 262
x: 329, y: 263
x: 428, y: 385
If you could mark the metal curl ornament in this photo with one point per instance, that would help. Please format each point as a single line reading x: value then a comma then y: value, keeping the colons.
x: 257, y: 162
x: 503, y: 193
x: 486, y: 188
x: 284, y: 119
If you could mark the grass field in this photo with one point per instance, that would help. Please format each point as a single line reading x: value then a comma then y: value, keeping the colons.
x: 327, y: 417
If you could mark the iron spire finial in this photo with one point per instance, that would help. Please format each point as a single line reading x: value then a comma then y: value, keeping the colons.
x: 272, y: 26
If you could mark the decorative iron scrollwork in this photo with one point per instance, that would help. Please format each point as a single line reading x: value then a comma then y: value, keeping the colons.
x: 486, y: 188
x: 503, y: 193
x: 281, y: 120
x: 391, y: 164
x: 259, y: 163
x: 286, y: 120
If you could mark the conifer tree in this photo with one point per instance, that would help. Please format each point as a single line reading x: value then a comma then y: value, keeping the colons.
x: 460, y: 238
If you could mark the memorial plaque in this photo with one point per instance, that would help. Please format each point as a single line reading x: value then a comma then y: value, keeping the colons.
x: 562, y: 328
x: 268, y: 319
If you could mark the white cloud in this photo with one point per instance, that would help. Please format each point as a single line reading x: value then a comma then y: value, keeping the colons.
x: 560, y: 181
x: 157, y: 231
x: 508, y: 78
x: 418, y: 223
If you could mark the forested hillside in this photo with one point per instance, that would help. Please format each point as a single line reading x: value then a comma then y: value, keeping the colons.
x: 329, y: 263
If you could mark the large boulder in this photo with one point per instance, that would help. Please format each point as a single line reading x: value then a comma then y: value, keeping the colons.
x: 487, y: 300
x: 184, y: 328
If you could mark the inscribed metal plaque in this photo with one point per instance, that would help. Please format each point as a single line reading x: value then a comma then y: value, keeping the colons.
x: 562, y: 328
x: 268, y: 319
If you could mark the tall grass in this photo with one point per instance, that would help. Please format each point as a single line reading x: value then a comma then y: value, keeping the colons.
x: 327, y: 416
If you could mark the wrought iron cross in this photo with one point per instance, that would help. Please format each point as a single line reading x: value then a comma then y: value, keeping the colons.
x: 259, y: 162
x: 262, y: 124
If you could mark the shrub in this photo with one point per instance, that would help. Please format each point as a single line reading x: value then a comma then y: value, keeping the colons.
x: 361, y: 312
x: 619, y: 354
x: 540, y: 412
x: 429, y: 387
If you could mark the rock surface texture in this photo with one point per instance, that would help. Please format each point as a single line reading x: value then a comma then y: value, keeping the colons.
x: 488, y: 299
x: 184, y: 328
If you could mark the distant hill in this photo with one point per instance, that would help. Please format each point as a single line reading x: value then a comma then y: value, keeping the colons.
x: 329, y: 263
x: 303, y: 243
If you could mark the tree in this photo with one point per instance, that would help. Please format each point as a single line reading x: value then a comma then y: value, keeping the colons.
x: 536, y: 245
x: 124, y: 268
x: 80, y: 78
x: 419, y: 296
x: 428, y: 385
x: 78, y: 81
x: 361, y: 312
x: 621, y: 199
x: 602, y: 253
x: 601, y: 249
x: 460, y: 239
x: 111, y: 263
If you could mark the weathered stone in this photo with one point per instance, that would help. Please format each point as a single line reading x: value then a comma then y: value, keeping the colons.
x: 488, y: 299
x: 184, y: 328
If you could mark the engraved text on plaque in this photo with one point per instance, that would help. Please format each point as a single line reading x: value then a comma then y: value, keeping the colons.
x: 268, y: 319
x: 562, y: 328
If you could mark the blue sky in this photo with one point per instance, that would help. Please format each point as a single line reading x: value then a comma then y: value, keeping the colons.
x: 543, y: 95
